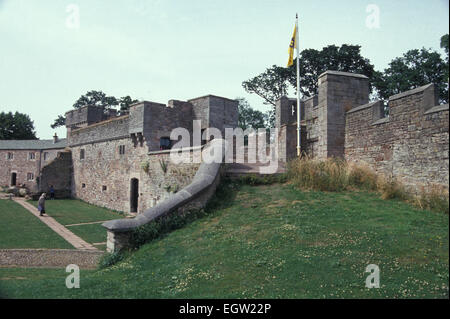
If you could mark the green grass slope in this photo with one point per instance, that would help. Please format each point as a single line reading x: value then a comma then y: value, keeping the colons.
x: 275, y: 241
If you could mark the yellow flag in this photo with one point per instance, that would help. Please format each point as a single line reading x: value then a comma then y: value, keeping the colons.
x: 292, y: 45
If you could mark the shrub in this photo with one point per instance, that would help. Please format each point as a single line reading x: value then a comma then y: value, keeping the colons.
x: 328, y: 175
x: 335, y: 174
x: 145, y: 166
x: 436, y: 199
x: 253, y: 179
x: 361, y: 176
x: 391, y: 189
x: 161, y: 226
x: 110, y: 259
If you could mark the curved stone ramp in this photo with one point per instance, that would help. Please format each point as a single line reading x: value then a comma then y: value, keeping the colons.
x: 195, y: 195
x: 49, y: 258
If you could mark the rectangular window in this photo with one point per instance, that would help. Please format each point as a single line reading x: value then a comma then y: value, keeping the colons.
x: 10, y: 156
x: 30, y: 176
x: 45, y: 156
x: 81, y: 154
x: 121, y: 149
x: 165, y: 143
x: 103, y: 188
x: 83, y: 185
x: 32, y: 155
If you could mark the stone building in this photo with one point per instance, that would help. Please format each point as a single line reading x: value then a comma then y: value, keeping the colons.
x: 23, y: 161
x: 122, y: 162
x: 411, y: 143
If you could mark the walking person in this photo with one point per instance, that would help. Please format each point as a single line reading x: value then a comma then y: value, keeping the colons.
x: 41, y: 205
x: 52, y: 192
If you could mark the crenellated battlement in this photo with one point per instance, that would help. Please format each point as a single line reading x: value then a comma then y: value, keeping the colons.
x: 410, y: 143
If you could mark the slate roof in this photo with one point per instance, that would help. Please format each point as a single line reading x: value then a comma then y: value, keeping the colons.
x: 32, y: 144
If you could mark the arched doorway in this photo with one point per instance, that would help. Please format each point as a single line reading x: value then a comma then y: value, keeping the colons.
x: 13, y: 179
x: 134, y: 195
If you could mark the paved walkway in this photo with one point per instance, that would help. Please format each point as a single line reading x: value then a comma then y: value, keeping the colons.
x: 73, y: 239
x: 240, y: 169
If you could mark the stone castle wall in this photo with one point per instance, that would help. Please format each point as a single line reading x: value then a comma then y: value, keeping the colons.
x: 116, y: 149
x: 103, y: 177
x: 410, y: 145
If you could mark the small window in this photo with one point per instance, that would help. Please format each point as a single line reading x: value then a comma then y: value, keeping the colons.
x: 104, y: 188
x: 45, y: 156
x: 10, y: 156
x: 32, y: 155
x: 83, y: 185
x: 121, y: 149
x: 30, y: 176
x: 165, y: 143
x: 82, y: 154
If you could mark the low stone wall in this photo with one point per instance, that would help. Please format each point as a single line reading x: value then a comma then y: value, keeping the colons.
x: 193, y: 196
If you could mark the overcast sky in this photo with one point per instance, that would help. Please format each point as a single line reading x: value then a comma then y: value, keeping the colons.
x: 159, y: 50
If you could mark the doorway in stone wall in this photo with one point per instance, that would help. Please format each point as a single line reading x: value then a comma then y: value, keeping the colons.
x: 13, y: 179
x: 134, y: 195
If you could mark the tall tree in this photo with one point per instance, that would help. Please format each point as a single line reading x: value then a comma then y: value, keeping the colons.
x: 124, y: 103
x: 415, y: 68
x: 444, y: 45
x: 249, y: 117
x: 275, y: 81
x: 100, y: 99
x: 17, y: 126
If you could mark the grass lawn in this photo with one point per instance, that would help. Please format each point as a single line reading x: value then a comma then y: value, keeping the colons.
x: 277, y: 242
x: 71, y: 211
x: 21, y: 229
x: 74, y: 211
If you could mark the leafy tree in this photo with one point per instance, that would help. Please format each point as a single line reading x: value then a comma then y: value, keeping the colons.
x: 269, y: 85
x: 313, y: 63
x: 415, y: 68
x: 444, y: 45
x: 124, y: 103
x: 249, y: 117
x: 96, y: 98
x: 275, y: 81
x: 59, y: 121
x: 17, y: 126
x: 100, y: 99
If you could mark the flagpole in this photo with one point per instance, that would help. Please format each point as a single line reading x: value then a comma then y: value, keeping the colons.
x: 298, y: 88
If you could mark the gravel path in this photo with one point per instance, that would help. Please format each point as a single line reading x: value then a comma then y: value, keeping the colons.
x: 49, y: 258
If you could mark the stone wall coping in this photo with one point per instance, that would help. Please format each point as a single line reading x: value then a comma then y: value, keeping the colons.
x: 410, y: 92
x: 381, y: 121
x: 101, y: 123
x: 204, y: 178
x: 211, y: 95
x: 100, y: 140
x: 438, y: 108
x: 309, y: 98
x: 363, y: 107
x: 82, y: 108
x: 355, y: 75
x: 191, y: 148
